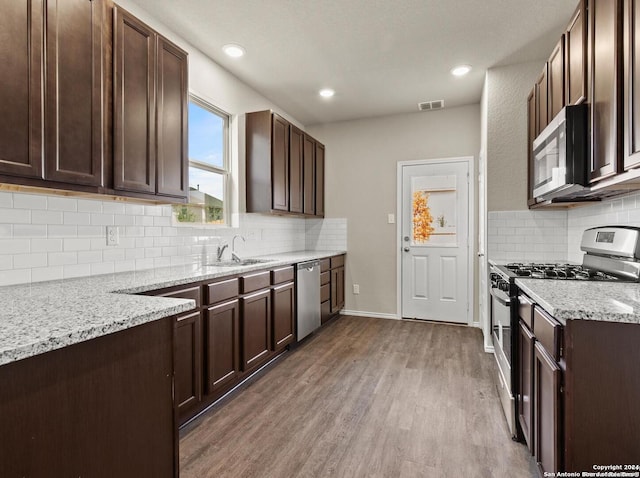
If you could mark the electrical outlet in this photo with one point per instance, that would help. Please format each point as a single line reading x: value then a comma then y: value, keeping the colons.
x: 113, y: 236
x: 356, y: 289
x: 391, y: 218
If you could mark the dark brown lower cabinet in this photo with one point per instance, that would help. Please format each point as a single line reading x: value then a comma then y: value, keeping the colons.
x: 256, y: 328
x: 101, y: 408
x: 337, y: 289
x: 222, y: 345
x: 188, y: 362
x: 284, y: 312
x: 525, y: 378
x: 547, y: 379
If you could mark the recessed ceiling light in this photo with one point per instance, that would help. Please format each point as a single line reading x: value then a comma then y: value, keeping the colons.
x: 234, y: 51
x: 461, y: 70
x: 327, y: 92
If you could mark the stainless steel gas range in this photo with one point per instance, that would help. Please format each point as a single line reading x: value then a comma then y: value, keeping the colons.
x: 612, y: 254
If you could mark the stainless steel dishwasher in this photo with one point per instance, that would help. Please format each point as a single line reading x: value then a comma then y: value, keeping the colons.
x: 308, y: 297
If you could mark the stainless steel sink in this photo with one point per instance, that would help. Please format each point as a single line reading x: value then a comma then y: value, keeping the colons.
x: 244, y: 262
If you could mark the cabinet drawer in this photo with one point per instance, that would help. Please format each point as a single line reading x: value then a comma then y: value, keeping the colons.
x: 190, y: 293
x: 325, y: 265
x: 548, y: 332
x: 223, y: 290
x: 325, y: 278
x: 525, y: 310
x: 260, y: 280
x: 284, y: 274
x: 325, y: 292
x: 337, y: 261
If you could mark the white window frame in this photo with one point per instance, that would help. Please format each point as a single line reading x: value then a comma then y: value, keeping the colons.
x: 225, y: 171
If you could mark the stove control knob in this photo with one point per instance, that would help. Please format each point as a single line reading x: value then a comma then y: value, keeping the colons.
x: 503, y: 285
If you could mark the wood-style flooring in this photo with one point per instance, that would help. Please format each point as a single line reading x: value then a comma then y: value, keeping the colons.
x: 364, y: 398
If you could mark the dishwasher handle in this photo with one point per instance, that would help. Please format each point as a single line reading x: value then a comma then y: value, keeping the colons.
x: 309, y: 265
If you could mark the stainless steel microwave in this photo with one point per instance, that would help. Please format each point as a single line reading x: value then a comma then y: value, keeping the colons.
x: 560, y: 155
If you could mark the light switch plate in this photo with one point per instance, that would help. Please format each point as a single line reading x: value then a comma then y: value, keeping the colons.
x: 391, y: 218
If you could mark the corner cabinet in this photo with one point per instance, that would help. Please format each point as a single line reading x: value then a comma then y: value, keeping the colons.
x: 284, y: 169
x: 150, y: 112
x: 53, y: 93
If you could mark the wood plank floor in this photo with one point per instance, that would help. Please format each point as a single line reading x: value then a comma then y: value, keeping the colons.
x: 364, y: 398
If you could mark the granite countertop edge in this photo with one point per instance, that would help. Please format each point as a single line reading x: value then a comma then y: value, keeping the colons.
x: 45, y: 316
x: 578, y: 300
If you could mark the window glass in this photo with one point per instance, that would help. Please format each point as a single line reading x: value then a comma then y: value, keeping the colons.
x: 208, y: 166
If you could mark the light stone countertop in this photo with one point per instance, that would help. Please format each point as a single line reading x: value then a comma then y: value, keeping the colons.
x: 43, y: 316
x: 582, y: 300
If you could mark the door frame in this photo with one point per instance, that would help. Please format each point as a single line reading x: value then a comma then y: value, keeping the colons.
x: 471, y: 239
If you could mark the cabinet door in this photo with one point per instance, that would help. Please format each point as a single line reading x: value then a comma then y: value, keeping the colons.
x: 546, y: 410
x: 256, y: 329
x: 631, y: 84
x: 284, y: 307
x: 134, y: 155
x: 309, y: 188
x: 525, y: 379
x: 171, y: 128
x: 337, y: 289
x: 319, y: 180
x: 222, y: 345
x: 575, y: 43
x: 75, y: 71
x: 605, y: 87
x: 20, y: 95
x: 188, y: 360
x: 542, y: 101
x: 556, y: 79
x: 296, y: 179
x: 531, y: 135
x: 280, y: 164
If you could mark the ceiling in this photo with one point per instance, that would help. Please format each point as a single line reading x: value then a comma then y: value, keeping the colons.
x: 381, y: 56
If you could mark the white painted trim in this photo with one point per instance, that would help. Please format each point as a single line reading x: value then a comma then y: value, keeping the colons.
x: 471, y: 238
x: 375, y: 315
x: 489, y: 349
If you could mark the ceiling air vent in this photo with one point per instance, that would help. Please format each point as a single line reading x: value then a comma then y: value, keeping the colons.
x: 431, y: 105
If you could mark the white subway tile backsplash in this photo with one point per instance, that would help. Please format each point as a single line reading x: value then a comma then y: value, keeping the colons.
x: 62, y: 258
x: 52, y: 237
x: 46, y: 217
x: 29, y: 230
x: 46, y: 245
x: 14, y: 216
x: 61, y: 204
x: 14, y: 246
x: 28, y: 261
x: 29, y: 201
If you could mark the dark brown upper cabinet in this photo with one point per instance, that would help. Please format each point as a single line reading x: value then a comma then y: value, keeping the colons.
x: 631, y: 45
x: 605, y: 87
x: 542, y: 100
x: 54, y: 68
x: 285, y: 167
x: 531, y: 135
x: 309, y: 172
x: 319, y: 179
x: 556, y: 80
x: 575, y: 57
x: 150, y: 111
x: 296, y: 172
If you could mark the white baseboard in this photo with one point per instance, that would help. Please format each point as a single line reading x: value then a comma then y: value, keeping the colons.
x: 375, y: 315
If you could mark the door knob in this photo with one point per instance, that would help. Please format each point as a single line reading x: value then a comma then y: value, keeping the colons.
x: 406, y: 249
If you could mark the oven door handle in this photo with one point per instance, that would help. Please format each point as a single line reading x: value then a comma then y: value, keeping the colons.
x: 506, y: 302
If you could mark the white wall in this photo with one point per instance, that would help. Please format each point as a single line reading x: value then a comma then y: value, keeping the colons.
x: 507, y: 89
x: 361, y: 164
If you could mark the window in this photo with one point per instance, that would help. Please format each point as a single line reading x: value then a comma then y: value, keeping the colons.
x: 208, y: 166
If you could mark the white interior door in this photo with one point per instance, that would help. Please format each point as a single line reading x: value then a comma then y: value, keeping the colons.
x: 435, y: 240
